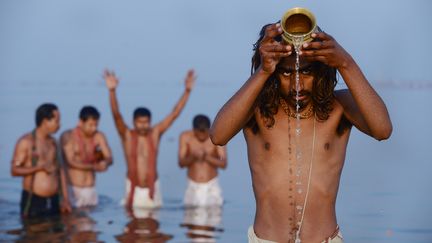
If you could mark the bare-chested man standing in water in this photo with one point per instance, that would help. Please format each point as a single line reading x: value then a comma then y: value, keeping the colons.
x: 140, y: 145
x: 35, y: 159
x: 202, y: 159
x: 86, y: 151
x: 291, y: 205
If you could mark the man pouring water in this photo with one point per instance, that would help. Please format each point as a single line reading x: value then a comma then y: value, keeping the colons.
x: 297, y: 128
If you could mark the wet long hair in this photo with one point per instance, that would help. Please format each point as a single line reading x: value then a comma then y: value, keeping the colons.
x: 268, y: 100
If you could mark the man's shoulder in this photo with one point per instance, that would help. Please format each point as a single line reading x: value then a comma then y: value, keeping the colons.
x: 52, y: 140
x: 342, y: 99
x: 66, y: 136
x: 341, y: 94
x: 26, y: 139
x: 186, y: 135
x: 67, y: 132
x: 99, y: 135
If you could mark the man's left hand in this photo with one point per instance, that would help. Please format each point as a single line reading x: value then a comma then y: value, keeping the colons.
x: 190, y: 80
x: 325, y: 49
x: 101, y: 166
x: 65, y: 207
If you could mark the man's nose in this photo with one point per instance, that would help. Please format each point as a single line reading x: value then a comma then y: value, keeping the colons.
x: 297, y: 87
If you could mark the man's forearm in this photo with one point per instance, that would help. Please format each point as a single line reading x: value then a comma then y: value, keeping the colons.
x: 186, y: 161
x: 109, y: 161
x: 367, y: 99
x: 80, y: 166
x: 234, y: 114
x: 181, y: 103
x: 113, y: 102
x: 25, y: 171
x: 64, y: 185
x: 218, y: 162
x: 118, y: 119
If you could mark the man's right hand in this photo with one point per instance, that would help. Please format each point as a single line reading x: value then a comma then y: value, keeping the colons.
x: 47, y: 167
x: 271, y: 51
x: 198, y: 154
x: 110, y: 79
x: 100, y: 166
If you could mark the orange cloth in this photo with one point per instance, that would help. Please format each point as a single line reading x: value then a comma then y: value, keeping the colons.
x: 133, y: 172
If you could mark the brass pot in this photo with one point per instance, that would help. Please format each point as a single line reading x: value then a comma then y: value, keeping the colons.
x: 298, y: 24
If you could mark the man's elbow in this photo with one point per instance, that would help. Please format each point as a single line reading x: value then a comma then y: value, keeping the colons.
x: 14, y: 172
x: 384, y: 133
x: 224, y: 166
x: 181, y: 164
x: 217, y: 138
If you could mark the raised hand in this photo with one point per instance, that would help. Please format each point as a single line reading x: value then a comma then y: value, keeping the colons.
x: 190, y: 80
x: 272, y: 51
x: 325, y: 50
x: 110, y: 79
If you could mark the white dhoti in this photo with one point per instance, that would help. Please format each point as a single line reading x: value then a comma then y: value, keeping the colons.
x: 141, y: 197
x: 203, y: 194
x: 335, y: 238
x: 84, y: 196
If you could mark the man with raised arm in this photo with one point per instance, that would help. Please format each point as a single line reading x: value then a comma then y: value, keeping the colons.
x: 202, y: 159
x: 141, y: 143
x: 296, y: 158
x: 36, y: 159
x: 86, y: 151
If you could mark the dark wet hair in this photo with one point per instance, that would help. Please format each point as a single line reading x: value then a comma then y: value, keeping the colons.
x: 201, y: 122
x: 45, y: 111
x: 268, y: 100
x: 88, y: 112
x: 140, y: 112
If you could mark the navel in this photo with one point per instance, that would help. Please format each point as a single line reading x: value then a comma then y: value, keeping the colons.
x: 327, y: 146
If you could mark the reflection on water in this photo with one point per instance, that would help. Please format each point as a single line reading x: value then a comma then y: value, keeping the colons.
x: 202, y: 223
x: 383, y: 198
x: 75, y: 227
x: 143, y: 227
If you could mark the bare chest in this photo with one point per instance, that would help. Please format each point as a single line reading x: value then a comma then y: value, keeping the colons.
x: 42, y: 152
x: 291, y: 140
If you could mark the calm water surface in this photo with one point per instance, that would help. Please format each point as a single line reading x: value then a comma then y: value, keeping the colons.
x: 384, y: 195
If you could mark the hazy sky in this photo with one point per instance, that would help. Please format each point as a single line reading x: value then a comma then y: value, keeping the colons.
x: 156, y: 41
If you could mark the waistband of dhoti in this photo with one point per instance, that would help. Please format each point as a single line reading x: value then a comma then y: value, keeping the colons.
x: 84, y: 187
x: 210, y: 182
x: 128, y: 181
x: 335, y: 234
